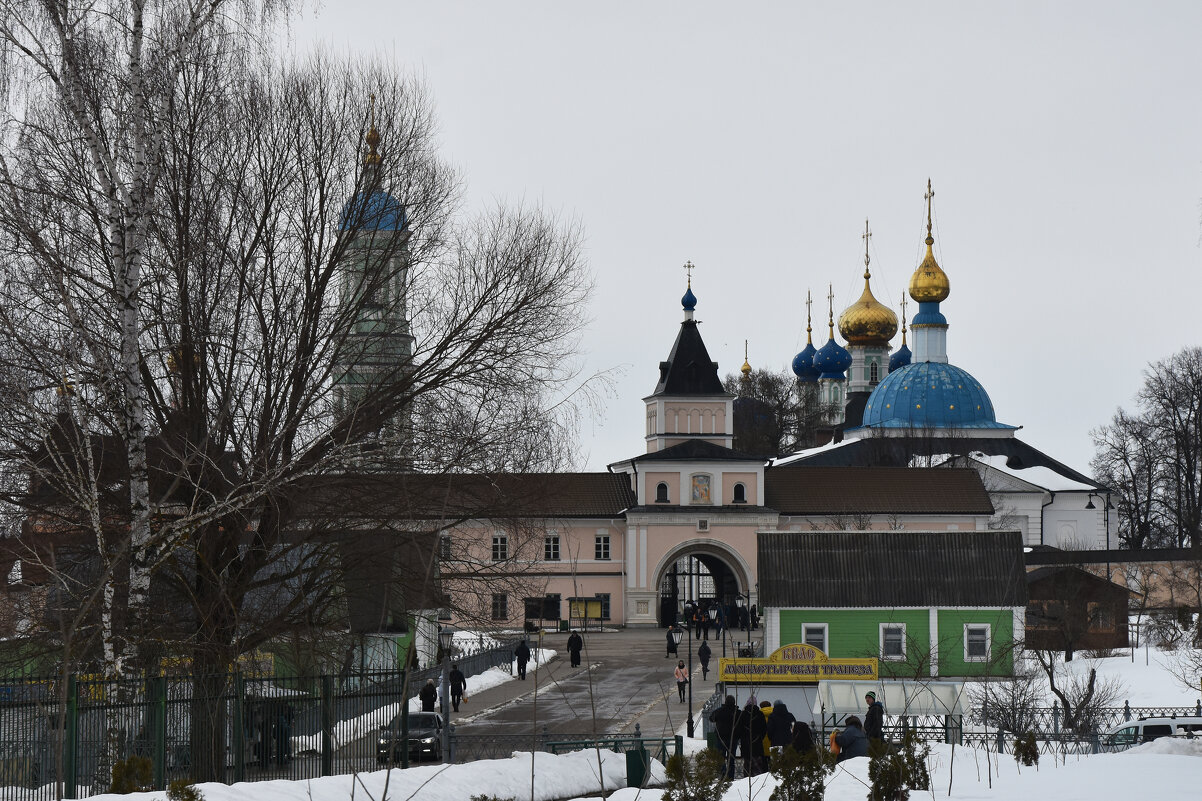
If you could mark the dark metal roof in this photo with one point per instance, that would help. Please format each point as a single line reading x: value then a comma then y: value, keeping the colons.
x: 802, y: 489
x: 698, y: 450
x: 898, y: 451
x: 689, y: 369
x: 892, y: 569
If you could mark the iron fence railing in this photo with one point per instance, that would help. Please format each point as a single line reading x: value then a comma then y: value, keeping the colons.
x: 471, y: 747
x: 59, y: 739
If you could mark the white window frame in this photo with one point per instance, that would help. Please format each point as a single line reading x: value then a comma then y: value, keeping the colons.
x: 500, y: 547
x: 888, y: 657
x: 551, y: 542
x: 826, y: 631
x: 602, y: 548
x: 988, y: 642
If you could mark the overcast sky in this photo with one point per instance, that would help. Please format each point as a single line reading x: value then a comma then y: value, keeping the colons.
x: 1064, y: 141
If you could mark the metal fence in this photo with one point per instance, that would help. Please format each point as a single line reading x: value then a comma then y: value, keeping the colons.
x: 59, y: 739
x: 471, y: 747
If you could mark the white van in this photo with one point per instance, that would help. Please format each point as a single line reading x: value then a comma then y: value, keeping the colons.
x: 1145, y: 730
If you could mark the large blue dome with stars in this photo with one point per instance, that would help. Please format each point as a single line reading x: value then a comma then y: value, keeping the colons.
x: 930, y: 395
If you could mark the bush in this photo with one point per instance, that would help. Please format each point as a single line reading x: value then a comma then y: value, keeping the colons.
x: 1026, y: 750
x: 802, y: 777
x: 132, y: 775
x: 697, y: 778
x: 490, y: 798
x: 896, y: 773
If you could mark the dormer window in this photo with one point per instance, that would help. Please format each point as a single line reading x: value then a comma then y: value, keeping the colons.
x: 740, y: 493
x: 661, y: 492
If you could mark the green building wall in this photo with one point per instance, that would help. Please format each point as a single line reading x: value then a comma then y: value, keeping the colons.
x: 855, y: 633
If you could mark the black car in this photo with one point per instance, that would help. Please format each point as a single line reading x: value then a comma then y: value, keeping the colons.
x: 425, y: 739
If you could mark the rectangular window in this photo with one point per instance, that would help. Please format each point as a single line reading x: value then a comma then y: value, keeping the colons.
x: 976, y: 642
x: 551, y: 548
x: 500, y: 547
x: 604, y: 598
x: 893, y: 641
x: 814, y: 635
x: 500, y: 607
x: 601, y: 547
x: 444, y: 547
x: 1101, y: 617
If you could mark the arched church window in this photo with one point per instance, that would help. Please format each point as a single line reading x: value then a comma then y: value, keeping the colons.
x: 661, y: 492
x: 873, y: 374
x: 740, y: 493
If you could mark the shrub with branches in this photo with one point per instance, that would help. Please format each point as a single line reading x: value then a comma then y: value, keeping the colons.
x: 802, y: 776
x: 696, y: 778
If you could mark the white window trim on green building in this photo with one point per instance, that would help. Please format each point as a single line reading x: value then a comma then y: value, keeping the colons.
x: 824, y: 627
x: 889, y: 657
x: 988, y: 642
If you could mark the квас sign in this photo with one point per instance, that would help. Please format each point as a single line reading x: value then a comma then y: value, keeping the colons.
x: 795, y: 664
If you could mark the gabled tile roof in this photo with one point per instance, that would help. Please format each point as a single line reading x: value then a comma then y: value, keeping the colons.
x: 805, y: 490
x: 689, y: 369
x: 698, y: 450
x: 888, y: 569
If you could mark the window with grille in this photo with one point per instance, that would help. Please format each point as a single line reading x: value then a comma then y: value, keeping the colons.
x: 551, y: 548
x: 500, y: 607
x: 976, y: 642
x: 500, y: 547
x: 601, y: 547
x: 604, y: 598
x: 893, y: 641
x: 814, y: 635
x: 661, y: 492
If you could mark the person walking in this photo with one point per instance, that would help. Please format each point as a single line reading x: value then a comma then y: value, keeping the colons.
x: 703, y: 653
x: 522, y: 654
x: 671, y: 643
x: 428, y: 696
x: 458, y: 684
x: 575, y: 645
x: 682, y: 678
x: 803, y: 738
x: 706, y: 623
x: 874, y: 718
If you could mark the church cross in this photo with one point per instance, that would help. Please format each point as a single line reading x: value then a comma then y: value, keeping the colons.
x: 866, y: 236
x: 688, y: 268
x: 927, y: 197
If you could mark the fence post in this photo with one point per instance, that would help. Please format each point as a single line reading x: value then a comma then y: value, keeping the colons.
x: 239, y: 727
x: 1001, y: 741
x: 679, y: 749
x: 1095, y: 743
x: 546, y: 736
x: 1198, y: 707
x: 327, y: 726
x: 157, y: 700
x: 1126, y: 711
x: 70, y: 732
x: 1055, y: 718
x: 451, y: 743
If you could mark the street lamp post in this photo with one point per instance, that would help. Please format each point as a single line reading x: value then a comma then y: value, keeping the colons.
x: 677, y: 636
x: 446, y: 638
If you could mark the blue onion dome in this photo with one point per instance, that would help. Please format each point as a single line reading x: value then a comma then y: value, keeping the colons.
x: 373, y: 211
x: 803, y: 365
x: 930, y: 395
x: 689, y: 301
x: 900, y: 358
x: 832, y: 360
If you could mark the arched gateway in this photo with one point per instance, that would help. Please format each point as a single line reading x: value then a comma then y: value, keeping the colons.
x: 703, y: 571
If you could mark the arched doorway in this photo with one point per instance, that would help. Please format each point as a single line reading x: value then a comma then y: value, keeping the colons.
x: 702, y: 574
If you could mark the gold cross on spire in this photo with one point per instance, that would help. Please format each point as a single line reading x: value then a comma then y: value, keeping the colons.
x: 373, y: 136
x: 830, y: 307
x: 866, y: 236
x: 927, y: 197
x: 808, y: 302
x: 903, y: 317
x: 688, y: 268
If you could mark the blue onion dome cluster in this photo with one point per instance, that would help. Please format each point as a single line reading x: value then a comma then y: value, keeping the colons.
x: 930, y: 395
x: 900, y: 358
x: 832, y: 360
x: 803, y: 365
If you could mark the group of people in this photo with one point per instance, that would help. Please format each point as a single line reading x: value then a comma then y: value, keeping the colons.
x: 757, y: 731
x: 428, y: 695
x: 703, y: 652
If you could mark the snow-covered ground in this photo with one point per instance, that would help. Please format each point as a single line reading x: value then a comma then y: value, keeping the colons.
x: 1145, y: 679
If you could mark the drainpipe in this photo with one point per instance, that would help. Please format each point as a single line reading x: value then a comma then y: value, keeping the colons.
x: 1051, y: 500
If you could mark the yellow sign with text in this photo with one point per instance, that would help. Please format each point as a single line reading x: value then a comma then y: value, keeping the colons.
x: 795, y: 664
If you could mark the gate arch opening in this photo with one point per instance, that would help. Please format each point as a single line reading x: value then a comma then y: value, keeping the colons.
x: 704, y: 572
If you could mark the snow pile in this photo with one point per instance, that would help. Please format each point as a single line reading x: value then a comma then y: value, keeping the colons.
x: 555, y: 777
x: 1176, y: 746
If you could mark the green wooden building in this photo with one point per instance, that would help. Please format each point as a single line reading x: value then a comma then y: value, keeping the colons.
x: 927, y: 604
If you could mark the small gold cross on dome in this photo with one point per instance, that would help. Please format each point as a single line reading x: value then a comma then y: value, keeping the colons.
x: 688, y: 268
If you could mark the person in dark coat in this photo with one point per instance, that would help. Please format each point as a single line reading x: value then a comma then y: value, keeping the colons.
x: 757, y: 729
x: 780, y: 725
x: 706, y: 623
x: 803, y: 738
x: 852, y: 741
x: 522, y: 655
x: 874, y: 718
x: 428, y: 696
x: 725, y: 719
x: 575, y: 645
x: 671, y: 643
x: 703, y: 653
x: 458, y: 684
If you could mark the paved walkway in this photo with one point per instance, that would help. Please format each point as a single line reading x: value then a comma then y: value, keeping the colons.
x: 624, y: 679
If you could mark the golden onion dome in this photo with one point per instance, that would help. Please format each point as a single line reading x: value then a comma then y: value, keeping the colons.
x: 929, y: 282
x: 868, y: 321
